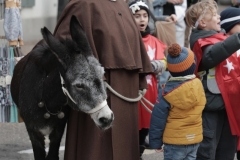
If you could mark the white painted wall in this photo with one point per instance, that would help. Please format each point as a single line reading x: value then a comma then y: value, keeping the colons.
x: 44, y: 13
x: 42, y: 9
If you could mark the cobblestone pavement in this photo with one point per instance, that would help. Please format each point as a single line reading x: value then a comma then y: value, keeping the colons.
x: 15, y: 144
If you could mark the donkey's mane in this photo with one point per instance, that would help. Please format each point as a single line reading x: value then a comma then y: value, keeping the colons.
x: 72, y: 47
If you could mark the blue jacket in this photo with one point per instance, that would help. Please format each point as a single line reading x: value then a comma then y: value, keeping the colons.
x: 176, y: 117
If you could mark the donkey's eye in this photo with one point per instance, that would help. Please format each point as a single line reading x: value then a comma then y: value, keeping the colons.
x: 80, y: 86
x: 97, y: 83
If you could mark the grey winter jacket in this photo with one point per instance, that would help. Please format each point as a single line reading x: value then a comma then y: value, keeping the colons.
x: 212, y: 56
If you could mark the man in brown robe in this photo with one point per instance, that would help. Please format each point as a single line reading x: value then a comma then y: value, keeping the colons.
x: 117, y: 44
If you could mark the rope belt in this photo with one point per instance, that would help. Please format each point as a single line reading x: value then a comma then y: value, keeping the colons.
x: 140, y: 98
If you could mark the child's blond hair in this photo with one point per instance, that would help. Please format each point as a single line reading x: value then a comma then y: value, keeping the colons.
x: 197, y: 11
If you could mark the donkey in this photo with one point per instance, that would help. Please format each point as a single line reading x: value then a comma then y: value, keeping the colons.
x: 53, y: 77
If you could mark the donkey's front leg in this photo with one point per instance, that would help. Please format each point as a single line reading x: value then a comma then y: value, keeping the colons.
x: 38, y: 144
x: 55, y: 140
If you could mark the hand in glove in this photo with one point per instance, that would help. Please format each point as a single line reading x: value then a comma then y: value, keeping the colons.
x: 158, y: 66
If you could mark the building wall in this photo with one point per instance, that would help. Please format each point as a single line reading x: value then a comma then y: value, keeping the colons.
x: 43, y: 13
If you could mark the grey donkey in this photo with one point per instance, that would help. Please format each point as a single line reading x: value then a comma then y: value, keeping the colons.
x: 53, y: 77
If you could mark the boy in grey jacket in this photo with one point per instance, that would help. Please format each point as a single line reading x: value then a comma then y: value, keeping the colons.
x: 218, y: 68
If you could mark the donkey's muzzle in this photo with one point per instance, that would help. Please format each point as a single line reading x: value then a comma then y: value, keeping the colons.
x: 103, y: 117
x: 106, y: 122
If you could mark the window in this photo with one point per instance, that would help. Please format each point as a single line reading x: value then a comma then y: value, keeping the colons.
x: 28, y: 3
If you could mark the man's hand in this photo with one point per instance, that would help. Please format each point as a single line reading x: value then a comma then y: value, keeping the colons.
x: 175, y: 1
x: 171, y: 18
x: 159, y: 150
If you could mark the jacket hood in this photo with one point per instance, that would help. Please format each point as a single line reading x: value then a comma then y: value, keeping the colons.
x: 182, y: 94
x: 197, y: 34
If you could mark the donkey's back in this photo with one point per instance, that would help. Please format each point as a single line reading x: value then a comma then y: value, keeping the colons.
x: 34, y: 62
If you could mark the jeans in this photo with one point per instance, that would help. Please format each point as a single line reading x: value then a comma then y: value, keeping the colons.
x: 180, y: 152
x: 218, y: 142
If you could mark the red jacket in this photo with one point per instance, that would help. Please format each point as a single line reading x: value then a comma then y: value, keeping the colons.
x: 155, y: 49
x: 228, y: 80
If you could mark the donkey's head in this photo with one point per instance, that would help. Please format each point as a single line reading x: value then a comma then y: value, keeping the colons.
x: 81, y: 74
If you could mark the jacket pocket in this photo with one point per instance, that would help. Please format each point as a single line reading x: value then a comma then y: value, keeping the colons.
x: 208, y: 133
x: 207, y: 146
x: 214, y: 101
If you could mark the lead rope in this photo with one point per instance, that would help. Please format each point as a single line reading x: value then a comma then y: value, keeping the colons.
x: 141, y: 94
x: 140, y: 98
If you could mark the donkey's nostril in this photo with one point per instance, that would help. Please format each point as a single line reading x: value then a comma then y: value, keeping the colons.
x: 104, y: 120
x: 112, y: 116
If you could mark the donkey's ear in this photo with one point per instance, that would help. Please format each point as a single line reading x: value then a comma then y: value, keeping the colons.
x: 57, y: 48
x: 78, y: 35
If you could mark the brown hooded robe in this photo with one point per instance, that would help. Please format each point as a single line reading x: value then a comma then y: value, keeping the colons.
x: 116, y: 42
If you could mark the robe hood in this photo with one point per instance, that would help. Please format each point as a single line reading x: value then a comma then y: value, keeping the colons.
x: 182, y: 95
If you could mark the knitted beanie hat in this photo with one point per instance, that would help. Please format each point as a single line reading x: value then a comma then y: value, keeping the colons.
x: 137, y: 6
x: 180, y: 61
x: 229, y: 18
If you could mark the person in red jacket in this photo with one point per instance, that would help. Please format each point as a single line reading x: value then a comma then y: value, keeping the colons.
x: 155, y: 49
x: 218, y: 68
x: 230, y: 21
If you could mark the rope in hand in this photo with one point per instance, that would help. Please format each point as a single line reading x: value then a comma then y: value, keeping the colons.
x: 140, y: 98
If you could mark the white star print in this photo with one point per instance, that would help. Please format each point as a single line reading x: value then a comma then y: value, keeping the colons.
x: 149, y: 79
x: 238, y: 53
x: 135, y: 8
x: 151, y: 53
x: 229, y: 66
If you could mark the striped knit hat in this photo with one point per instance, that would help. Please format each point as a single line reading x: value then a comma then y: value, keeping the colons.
x: 229, y: 18
x: 180, y: 61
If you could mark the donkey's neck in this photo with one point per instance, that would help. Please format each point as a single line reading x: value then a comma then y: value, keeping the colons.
x: 50, y: 87
x: 46, y: 60
x: 49, y: 62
